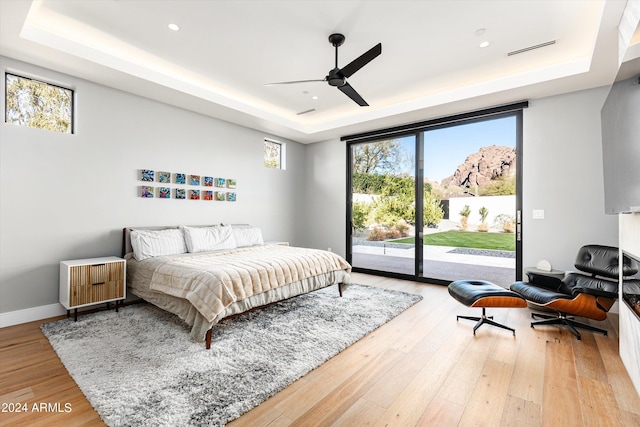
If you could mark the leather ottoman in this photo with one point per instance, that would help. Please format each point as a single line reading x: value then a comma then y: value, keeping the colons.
x: 480, y: 293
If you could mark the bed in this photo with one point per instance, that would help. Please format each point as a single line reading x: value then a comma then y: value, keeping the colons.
x: 203, y: 274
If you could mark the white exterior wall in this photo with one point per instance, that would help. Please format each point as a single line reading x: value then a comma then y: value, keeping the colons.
x: 496, y: 205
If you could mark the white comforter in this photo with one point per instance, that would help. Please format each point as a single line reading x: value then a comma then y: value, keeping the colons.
x: 213, y: 281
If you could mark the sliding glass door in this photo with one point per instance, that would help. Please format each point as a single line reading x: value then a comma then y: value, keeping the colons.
x: 470, y: 175
x: 438, y: 203
x: 383, y: 204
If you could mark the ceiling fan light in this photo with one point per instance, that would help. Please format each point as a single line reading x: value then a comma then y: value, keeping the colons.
x: 336, y: 81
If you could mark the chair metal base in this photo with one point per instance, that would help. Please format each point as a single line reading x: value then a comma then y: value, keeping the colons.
x: 563, y: 320
x: 485, y: 319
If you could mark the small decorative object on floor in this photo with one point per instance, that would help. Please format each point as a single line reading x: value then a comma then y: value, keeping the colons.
x: 149, y: 372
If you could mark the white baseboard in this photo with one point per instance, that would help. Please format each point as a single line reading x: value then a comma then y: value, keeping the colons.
x: 31, y: 314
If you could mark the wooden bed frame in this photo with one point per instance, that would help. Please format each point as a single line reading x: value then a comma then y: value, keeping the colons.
x: 127, y: 248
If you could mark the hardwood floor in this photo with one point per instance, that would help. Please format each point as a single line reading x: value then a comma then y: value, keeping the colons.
x: 422, y: 368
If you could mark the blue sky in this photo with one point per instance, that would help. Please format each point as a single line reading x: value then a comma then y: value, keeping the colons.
x: 447, y: 148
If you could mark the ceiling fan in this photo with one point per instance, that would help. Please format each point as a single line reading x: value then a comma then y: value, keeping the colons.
x: 338, y: 76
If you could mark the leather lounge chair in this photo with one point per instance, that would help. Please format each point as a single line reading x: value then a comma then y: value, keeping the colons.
x: 589, y: 295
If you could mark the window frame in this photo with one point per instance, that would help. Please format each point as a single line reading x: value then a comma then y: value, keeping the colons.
x: 282, y: 154
x: 72, y: 107
x: 418, y: 129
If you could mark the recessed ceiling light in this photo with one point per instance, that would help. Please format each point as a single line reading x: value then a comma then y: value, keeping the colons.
x: 314, y: 97
x: 484, y: 44
x: 480, y: 31
x: 173, y: 27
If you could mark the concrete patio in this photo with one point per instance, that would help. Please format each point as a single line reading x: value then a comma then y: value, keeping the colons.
x: 439, y: 262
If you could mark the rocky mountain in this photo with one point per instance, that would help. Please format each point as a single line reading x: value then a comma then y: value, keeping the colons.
x: 480, y: 168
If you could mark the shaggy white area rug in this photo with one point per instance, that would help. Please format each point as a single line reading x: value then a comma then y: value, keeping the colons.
x: 139, y: 367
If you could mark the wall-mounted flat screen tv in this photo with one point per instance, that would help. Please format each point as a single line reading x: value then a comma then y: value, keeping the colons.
x: 621, y: 141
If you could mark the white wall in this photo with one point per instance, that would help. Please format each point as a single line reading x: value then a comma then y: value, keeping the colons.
x: 69, y: 196
x: 496, y: 205
x: 325, y: 205
x: 562, y: 175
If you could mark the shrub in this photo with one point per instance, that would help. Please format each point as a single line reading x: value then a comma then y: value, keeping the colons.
x: 506, y: 222
x: 503, y: 186
x: 392, y: 233
x: 508, y: 227
x: 464, y: 217
x: 360, y: 213
x: 484, y: 212
x: 385, y: 233
x: 388, y: 210
x: 402, y: 227
x: 377, y: 234
x: 432, y: 212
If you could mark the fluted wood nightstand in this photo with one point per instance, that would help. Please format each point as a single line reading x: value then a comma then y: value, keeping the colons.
x: 90, y: 281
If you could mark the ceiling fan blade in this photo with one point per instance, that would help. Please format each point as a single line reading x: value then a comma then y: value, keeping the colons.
x: 361, y: 61
x: 351, y: 93
x: 294, y: 82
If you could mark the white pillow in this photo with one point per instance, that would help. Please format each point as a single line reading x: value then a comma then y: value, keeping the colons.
x: 247, y: 236
x: 200, y: 239
x: 150, y: 243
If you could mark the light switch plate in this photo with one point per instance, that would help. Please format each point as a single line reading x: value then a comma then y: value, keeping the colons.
x: 538, y: 214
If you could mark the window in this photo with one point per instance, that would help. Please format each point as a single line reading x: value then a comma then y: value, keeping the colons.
x: 38, y: 104
x: 274, y: 154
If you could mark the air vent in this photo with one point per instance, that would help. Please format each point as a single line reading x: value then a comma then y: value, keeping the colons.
x: 527, y: 49
x: 305, y: 112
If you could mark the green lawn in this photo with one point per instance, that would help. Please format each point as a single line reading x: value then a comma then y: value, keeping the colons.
x: 468, y: 239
